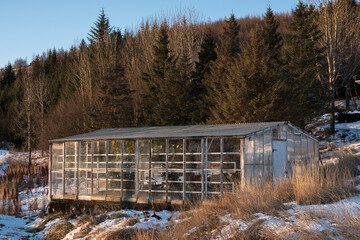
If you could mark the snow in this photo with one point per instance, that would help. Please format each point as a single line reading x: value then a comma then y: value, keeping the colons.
x: 13, y: 227
x: 3, y: 163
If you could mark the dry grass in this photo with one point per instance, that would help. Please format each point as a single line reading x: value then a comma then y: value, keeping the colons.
x: 18, y: 176
x: 130, y: 222
x: 349, y: 224
x: 117, y: 215
x: 59, y: 230
x: 121, y: 234
x: 41, y: 225
x: 311, y: 185
x: 83, y: 232
x: 87, y: 220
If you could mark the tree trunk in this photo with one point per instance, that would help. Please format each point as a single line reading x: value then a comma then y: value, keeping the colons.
x: 29, y: 135
x: 347, y: 94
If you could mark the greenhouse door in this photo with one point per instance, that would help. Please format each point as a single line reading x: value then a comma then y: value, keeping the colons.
x: 279, y: 159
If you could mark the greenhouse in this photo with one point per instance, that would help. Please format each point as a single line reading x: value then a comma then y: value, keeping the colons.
x: 174, y: 164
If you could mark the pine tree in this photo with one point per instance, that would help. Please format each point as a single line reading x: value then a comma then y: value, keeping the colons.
x: 102, y: 28
x: 156, y: 75
x: 303, y: 63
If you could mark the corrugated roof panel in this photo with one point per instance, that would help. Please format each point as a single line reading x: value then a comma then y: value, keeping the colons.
x: 241, y: 129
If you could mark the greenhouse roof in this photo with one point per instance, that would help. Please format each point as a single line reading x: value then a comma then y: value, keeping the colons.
x: 187, y: 131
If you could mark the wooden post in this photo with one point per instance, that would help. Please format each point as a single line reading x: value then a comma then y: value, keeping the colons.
x: 242, y: 162
x: 205, y: 167
x: 77, y: 169
x: 50, y: 170
x: 263, y: 157
x: 106, y: 168
x: 202, y: 168
x: 122, y: 169
x: 92, y: 168
x: 221, y: 165
x: 184, y: 167
x: 167, y: 171
x: 63, y: 175
x: 149, y: 195
x: 137, y: 169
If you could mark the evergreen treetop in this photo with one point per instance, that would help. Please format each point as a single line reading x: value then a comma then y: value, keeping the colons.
x: 230, y: 42
x: 101, y: 29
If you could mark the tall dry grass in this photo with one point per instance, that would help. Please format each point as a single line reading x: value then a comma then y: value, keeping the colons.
x: 19, y: 177
x: 306, y: 185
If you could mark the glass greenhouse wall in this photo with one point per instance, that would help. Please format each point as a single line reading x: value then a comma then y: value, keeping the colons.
x: 174, y: 169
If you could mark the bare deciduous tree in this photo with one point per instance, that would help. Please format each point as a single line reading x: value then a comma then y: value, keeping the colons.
x: 338, y: 28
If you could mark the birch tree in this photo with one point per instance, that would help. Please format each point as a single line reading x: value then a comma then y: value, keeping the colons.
x: 337, y: 26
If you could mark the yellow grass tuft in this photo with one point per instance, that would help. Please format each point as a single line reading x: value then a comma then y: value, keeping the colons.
x: 59, y: 230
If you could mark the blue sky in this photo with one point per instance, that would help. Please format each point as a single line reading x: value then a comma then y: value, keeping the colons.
x: 29, y: 27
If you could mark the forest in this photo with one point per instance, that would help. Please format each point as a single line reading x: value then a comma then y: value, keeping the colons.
x: 177, y: 70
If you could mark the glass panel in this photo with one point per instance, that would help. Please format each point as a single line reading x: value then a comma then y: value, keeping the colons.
x: 158, y: 170
x: 99, y: 169
x: 259, y: 144
x: 175, y: 169
x: 85, y: 169
x: 268, y: 148
x: 213, y: 153
x: 144, y: 178
x: 193, y: 169
x: 57, y: 168
x: 304, y: 149
x: 297, y: 145
x: 249, y: 150
x: 114, y: 168
x: 129, y: 170
x: 279, y: 133
x: 213, y: 181
x: 70, y: 168
x: 290, y: 147
x: 231, y: 163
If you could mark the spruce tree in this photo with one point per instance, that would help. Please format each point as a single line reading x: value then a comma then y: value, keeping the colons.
x: 229, y: 39
x: 303, y: 62
x: 252, y: 89
x: 6, y: 83
x: 175, y: 99
x: 156, y: 75
x: 207, y: 55
x: 101, y: 29
x: 227, y: 51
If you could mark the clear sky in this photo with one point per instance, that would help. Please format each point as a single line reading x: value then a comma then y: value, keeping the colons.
x: 29, y: 27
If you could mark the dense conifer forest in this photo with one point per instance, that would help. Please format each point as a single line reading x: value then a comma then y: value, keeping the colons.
x: 177, y: 70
